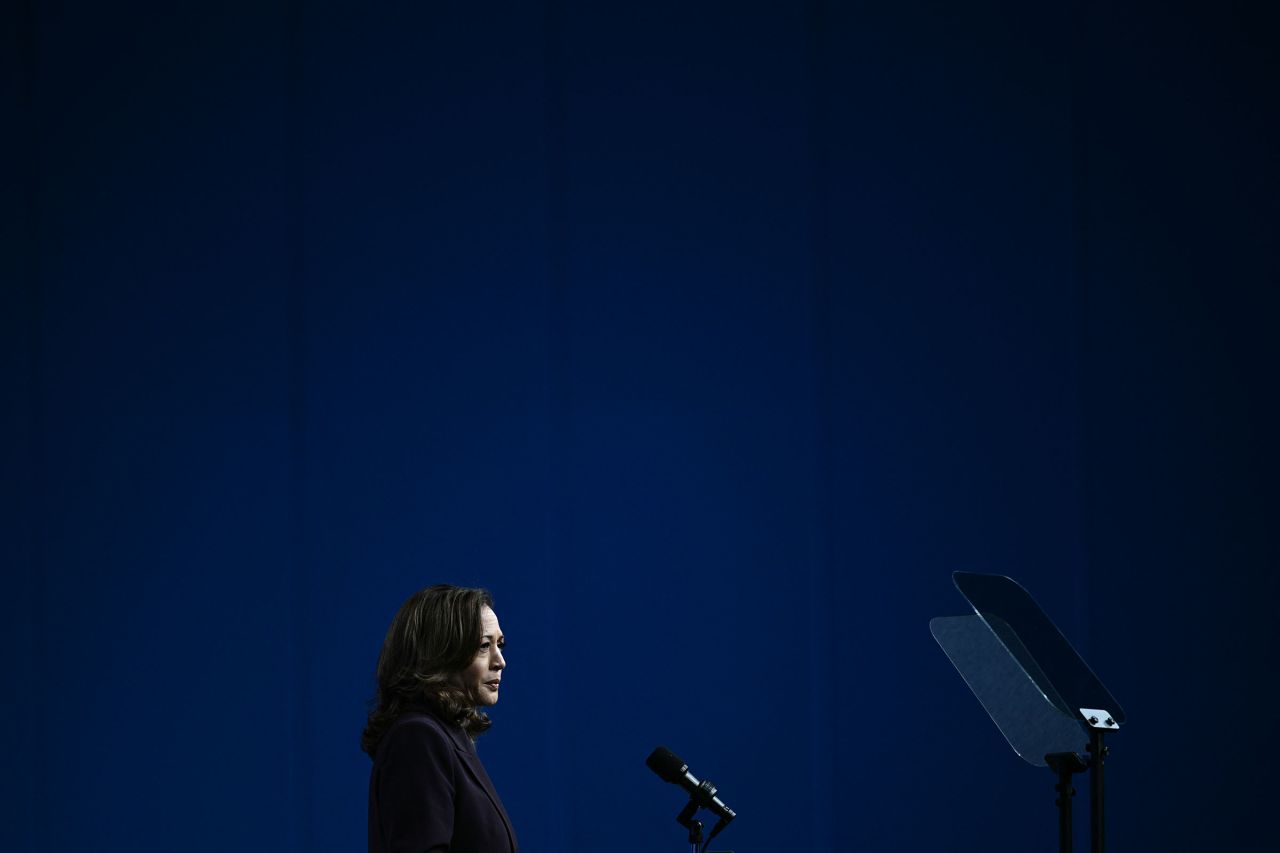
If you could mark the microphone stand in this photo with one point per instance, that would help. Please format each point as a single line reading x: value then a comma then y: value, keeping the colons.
x: 685, y: 819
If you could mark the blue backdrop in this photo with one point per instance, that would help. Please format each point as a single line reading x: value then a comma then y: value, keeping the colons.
x: 712, y: 337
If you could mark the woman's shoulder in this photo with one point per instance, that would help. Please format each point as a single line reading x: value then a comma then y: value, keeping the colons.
x: 423, y: 729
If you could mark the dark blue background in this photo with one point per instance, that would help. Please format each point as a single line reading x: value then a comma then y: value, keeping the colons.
x: 710, y: 337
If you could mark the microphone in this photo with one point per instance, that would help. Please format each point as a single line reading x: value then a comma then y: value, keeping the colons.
x: 671, y: 769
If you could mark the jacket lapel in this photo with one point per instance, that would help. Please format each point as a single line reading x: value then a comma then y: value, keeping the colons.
x: 467, y: 751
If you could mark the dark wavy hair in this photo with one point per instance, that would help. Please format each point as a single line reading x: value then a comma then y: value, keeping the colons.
x: 434, y: 636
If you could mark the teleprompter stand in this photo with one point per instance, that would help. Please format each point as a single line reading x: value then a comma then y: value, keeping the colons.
x: 1038, y: 691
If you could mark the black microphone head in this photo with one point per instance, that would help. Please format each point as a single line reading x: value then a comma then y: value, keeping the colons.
x: 666, y: 764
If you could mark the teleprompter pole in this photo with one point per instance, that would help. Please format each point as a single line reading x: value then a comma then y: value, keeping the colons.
x: 1097, y: 821
x: 1066, y: 765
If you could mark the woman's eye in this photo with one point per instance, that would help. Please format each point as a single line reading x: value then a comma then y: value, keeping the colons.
x: 484, y: 647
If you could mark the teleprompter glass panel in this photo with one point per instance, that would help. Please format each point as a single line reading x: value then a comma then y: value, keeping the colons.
x: 1032, y: 722
x: 1036, y: 643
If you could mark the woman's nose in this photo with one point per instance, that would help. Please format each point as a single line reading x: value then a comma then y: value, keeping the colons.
x: 497, y: 661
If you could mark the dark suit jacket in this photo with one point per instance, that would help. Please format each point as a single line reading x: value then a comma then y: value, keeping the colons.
x: 429, y: 792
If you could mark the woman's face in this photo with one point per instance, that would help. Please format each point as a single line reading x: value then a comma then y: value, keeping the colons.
x: 481, y: 679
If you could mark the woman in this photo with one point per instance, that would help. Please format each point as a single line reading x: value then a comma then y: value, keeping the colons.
x: 441, y: 661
